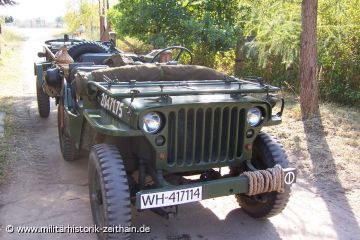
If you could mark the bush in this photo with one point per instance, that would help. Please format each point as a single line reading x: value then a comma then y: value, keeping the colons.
x: 269, y: 31
x: 134, y: 45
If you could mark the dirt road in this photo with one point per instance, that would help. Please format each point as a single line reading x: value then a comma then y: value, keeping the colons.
x: 45, y: 190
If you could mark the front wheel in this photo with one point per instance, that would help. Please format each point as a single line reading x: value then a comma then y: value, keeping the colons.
x: 43, y: 101
x: 67, y: 144
x: 267, y: 152
x: 109, y: 190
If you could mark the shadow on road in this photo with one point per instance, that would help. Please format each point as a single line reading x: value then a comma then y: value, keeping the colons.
x: 324, y: 163
x: 196, y: 222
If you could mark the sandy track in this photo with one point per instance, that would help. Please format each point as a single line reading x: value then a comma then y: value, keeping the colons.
x: 48, y: 191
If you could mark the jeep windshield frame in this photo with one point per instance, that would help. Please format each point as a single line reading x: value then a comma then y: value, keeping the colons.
x: 133, y: 88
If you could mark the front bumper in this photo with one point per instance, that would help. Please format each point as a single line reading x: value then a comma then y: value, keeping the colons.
x: 215, y: 188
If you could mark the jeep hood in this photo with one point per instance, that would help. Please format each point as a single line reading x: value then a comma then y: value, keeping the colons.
x: 142, y: 104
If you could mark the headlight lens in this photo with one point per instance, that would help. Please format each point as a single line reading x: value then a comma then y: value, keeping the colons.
x: 254, y: 116
x: 152, y: 122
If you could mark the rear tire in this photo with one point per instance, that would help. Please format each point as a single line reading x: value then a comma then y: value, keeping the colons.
x: 109, y: 190
x: 43, y: 101
x: 267, y: 152
x: 81, y: 48
x: 67, y: 145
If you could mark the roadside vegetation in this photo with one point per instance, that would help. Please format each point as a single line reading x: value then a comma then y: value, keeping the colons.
x: 86, y: 13
x: 10, y: 43
x: 260, y: 38
x: 326, y: 148
x: 7, y: 142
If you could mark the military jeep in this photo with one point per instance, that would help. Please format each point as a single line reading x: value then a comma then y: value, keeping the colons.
x: 85, y: 55
x: 47, y: 72
x: 157, y: 136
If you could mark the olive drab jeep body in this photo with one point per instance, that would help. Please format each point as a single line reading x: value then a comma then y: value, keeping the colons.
x: 158, y: 134
x: 147, y: 127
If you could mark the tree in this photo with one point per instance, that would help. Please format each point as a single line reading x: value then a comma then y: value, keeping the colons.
x: 3, y: 3
x: 258, y: 38
x: 82, y: 12
x: 204, y: 26
x: 7, y: 2
x: 59, y: 21
x: 273, y: 28
x: 309, y: 99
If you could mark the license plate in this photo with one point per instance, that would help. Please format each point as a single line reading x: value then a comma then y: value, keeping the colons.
x: 169, y: 198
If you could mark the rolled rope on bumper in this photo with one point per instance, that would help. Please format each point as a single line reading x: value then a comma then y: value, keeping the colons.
x: 263, y: 181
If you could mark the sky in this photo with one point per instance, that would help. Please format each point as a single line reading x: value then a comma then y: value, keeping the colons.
x: 46, y: 9
x: 28, y: 9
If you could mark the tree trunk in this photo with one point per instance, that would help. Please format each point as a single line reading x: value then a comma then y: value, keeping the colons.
x: 239, y: 57
x: 309, y: 98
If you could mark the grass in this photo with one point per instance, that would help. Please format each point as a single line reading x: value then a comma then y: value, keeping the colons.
x: 10, y: 62
x: 10, y: 43
x: 325, y: 148
x: 8, y: 141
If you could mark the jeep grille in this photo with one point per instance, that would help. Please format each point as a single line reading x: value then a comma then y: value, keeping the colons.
x: 205, y: 136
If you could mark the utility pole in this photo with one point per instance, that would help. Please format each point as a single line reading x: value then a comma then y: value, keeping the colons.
x: 104, y: 23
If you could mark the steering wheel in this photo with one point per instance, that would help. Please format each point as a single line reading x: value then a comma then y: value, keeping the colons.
x: 182, y: 49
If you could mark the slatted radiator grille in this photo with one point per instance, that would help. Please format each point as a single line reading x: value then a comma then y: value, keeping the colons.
x: 200, y: 136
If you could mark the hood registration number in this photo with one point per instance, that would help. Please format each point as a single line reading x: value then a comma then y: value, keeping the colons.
x: 112, y: 105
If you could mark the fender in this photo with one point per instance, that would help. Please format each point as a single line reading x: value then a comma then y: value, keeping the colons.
x: 72, y: 120
x: 39, y: 69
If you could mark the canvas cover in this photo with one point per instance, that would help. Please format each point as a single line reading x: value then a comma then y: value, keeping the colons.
x: 148, y: 72
x: 158, y: 72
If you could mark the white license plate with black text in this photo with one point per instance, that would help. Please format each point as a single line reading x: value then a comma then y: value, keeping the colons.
x: 169, y: 198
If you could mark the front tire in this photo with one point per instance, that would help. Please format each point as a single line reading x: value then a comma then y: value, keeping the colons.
x: 267, y: 152
x: 67, y: 145
x: 109, y: 190
x: 43, y: 101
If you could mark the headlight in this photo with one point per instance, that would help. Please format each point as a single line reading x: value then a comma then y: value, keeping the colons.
x: 152, y: 122
x: 254, y: 116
